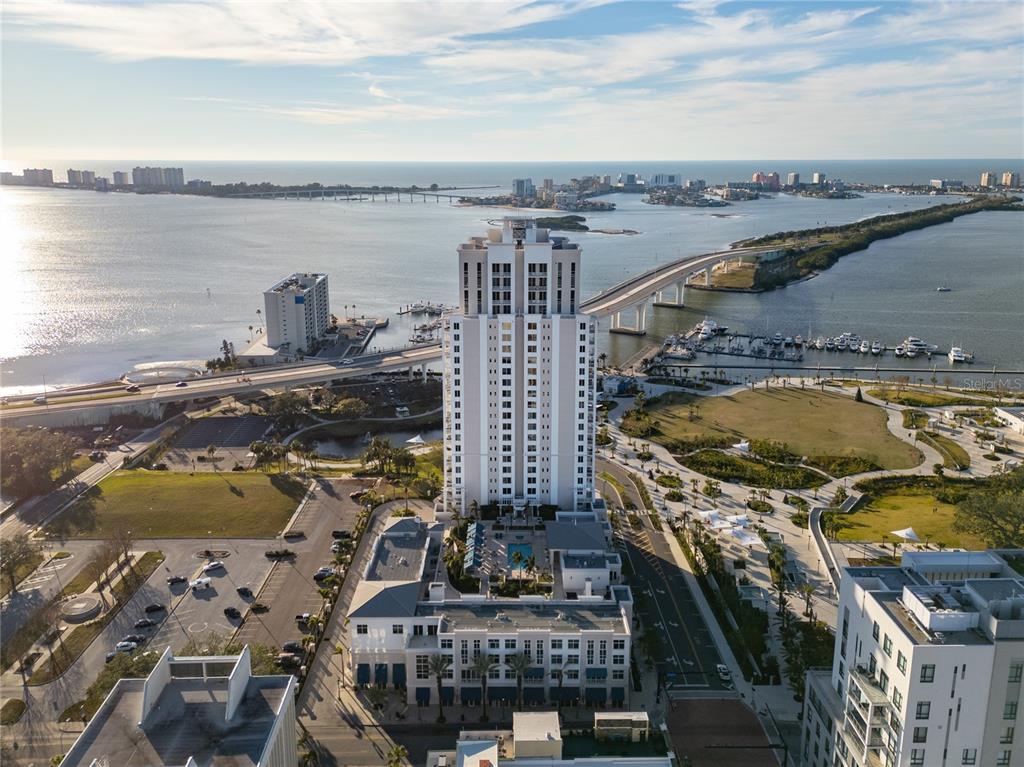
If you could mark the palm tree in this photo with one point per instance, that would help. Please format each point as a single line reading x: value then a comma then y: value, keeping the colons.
x: 807, y: 590
x: 259, y: 452
x: 438, y: 665
x: 531, y: 564
x: 474, y: 509
x: 397, y: 755
x: 602, y: 358
x: 482, y: 665
x: 211, y: 450
x: 517, y: 561
x: 519, y: 663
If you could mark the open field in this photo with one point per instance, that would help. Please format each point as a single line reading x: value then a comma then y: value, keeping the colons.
x: 810, y: 422
x: 741, y: 276
x: 179, y: 505
x: 931, y: 519
x: 926, y: 397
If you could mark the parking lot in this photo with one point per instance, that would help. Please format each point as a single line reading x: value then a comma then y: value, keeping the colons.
x: 231, y: 435
x: 290, y: 589
x: 193, y: 615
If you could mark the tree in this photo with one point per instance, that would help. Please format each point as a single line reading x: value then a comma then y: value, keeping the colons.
x: 378, y: 452
x: 121, y: 538
x: 995, y: 517
x: 519, y: 663
x: 807, y: 590
x: 481, y: 666
x: 517, y: 560
x: 640, y: 401
x: 287, y: 408
x: 350, y: 407
x: 211, y: 450
x: 404, y: 461
x: 397, y: 755
x: 16, y: 552
x: 438, y: 665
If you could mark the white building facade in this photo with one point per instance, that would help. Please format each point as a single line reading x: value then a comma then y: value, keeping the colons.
x: 297, y: 311
x: 519, y: 374
x: 928, y: 667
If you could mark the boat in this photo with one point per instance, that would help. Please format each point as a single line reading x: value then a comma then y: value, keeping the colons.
x: 900, y: 350
x: 919, y: 346
x: 819, y: 343
x: 798, y: 341
x: 876, y: 347
x: 841, y: 344
x: 956, y: 354
x: 910, y: 351
x: 787, y: 341
x: 942, y: 289
x: 864, y: 348
x: 776, y: 339
x: 830, y: 345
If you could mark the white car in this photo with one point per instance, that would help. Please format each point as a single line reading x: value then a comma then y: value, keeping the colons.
x: 199, y: 584
x: 347, y: 361
x: 214, y: 565
x: 723, y: 672
x: 125, y: 647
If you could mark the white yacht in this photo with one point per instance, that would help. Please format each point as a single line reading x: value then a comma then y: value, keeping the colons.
x: 819, y: 343
x: 798, y: 341
x: 864, y: 348
x: 776, y: 339
x: 830, y: 345
x: 956, y: 354
x: 841, y: 343
x: 876, y: 347
x: 918, y: 346
x: 900, y: 350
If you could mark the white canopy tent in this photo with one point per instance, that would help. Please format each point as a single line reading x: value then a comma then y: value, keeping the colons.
x: 907, y: 534
x: 417, y: 440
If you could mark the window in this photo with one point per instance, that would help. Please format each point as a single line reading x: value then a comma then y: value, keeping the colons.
x: 887, y: 645
x: 1007, y: 736
x: 917, y: 756
x: 397, y: 628
x: 618, y: 673
x: 928, y: 672
x: 901, y: 662
x: 618, y: 644
x: 446, y: 644
x: 920, y: 734
x: 618, y: 660
x: 493, y: 644
x: 874, y: 631
x: 510, y: 644
x: 897, y: 699
x: 883, y: 681
x: 1004, y: 758
x: 361, y: 628
x: 573, y: 644
x: 417, y: 630
x: 924, y: 710
x: 422, y: 667
x: 970, y: 756
x: 1016, y: 672
x: 1010, y: 711
x: 556, y: 660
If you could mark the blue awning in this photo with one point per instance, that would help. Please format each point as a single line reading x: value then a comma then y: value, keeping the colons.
x: 568, y: 694
x: 597, y: 673
x: 380, y: 673
x: 501, y: 694
x: 533, y: 695
x: 363, y: 673
x: 398, y: 675
x: 471, y: 694
x: 423, y: 695
x: 534, y: 672
x: 596, y: 695
x: 448, y: 695
x: 618, y: 693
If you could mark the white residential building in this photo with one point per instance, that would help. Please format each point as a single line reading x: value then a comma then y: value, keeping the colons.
x: 197, y: 712
x: 297, y: 311
x: 928, y: 666
x: 403, y: 611
x: 519, y: 374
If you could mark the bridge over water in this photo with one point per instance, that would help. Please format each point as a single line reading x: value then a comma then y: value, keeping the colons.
x: 359, y: 194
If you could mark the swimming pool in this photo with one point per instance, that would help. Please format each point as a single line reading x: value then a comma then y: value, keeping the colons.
x: 525, y: 549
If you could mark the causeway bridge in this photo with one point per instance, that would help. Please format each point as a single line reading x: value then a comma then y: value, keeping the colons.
x: 359, y: 194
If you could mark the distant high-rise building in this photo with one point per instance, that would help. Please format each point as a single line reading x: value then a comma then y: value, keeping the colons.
x: 818, y: 177
x: 945, y: 183
x: 666, y: 179
x: 102, y: 184
x: 121, y: 178
x: 792, y: 179
x: 696, y: 184
x: 297, y: 311
x: 549, y: 184
x: 74, y: 177
x: 198, y: 183
x: 173, y: 178
x: 88, y: 178
x: 519, y: 375
x: 771, y: 181
x: 988, y: 178
x: 523, y: 188
x: 38, y: 176
x: 1011, y: 179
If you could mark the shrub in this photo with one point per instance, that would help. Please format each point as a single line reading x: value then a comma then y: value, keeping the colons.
x: 669, y: 480
x: 279, y: 554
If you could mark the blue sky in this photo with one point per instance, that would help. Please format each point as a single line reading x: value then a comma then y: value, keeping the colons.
x: 579, y: 80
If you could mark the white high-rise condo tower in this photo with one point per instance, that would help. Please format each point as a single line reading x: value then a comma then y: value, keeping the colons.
x: 519, y: 375
x: 298, y: 311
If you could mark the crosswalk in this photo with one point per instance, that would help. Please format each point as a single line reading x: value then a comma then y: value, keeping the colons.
x: 42, y: 575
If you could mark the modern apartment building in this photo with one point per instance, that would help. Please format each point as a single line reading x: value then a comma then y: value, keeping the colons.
x: 988, y: 178
x: 171, y: 178
x: 121, y: 178
x: 38, y: 176
x: 818, y: 177
x: 792, y: 179
x: 74, y: 177
x: 197, y: 712
x: 524, y: 188
x: 519, y: 374
x: 297, y: 311
x: 404, y: 610
x: 667, y: 179
x: 928, y: 666
x: 1011, y: 179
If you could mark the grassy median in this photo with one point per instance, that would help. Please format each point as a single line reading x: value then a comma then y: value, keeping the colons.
x: 178, y: 505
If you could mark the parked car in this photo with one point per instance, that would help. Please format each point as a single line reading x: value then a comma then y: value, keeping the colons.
x: 232, y: 612
x: 134, y: 638
x: 347, y: 361
x: 181, y: 384
x: 39, y: 400
x: 156, y: 607
x: 293, y: 647
x: 133, y: 388
x: 111, y: 656
x: 214, y: 565
x: 125, y: 647
x: 97, y: 455
x: 302, y: 617
x: 244, y: 591
x: 287, y: 660
x: 200, y: 584
x: 145, y: 623
x: 336, y: 547
x: 338, y: 534
x: 175, y: 579
x: 323, y: 573
x: 723, y: 672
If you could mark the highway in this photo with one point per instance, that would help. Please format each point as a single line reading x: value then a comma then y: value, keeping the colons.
x: 233, y: 383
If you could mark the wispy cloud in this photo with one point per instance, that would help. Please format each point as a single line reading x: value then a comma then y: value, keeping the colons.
x: 348, y: 115
x: 379, y: 93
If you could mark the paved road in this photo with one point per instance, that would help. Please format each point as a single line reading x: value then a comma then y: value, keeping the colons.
x: 291, y: 589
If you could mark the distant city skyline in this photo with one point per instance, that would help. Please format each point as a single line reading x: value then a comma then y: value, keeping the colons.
x: 699, y: 79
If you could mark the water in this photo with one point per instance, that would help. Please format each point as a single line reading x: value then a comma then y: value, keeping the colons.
x: 350, y: 447
x: 98, y: 284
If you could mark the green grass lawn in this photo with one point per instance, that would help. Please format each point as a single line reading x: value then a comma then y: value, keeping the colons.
x: 810, y: 422
x: 931, y: 519
x: 925, y: 397
x: 12, y: 711
x: 178, y: 505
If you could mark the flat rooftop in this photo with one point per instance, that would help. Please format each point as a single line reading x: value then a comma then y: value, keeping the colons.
x: 512, y: 615
x: 397, y: 558
x: 589, y: 561
x: 297, y: 281
x: 187, y: 720
x: 892, y: 604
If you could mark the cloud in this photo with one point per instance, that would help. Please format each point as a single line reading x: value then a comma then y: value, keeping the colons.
x: 348, y: 115
x: 379, y: 93
x: 320, y: 32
